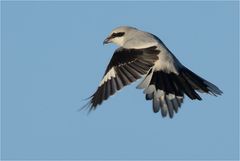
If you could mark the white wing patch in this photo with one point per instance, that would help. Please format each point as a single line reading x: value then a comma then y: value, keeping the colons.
x: 111, y: 73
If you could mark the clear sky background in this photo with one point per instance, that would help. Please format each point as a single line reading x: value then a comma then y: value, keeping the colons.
x: 53, y: 58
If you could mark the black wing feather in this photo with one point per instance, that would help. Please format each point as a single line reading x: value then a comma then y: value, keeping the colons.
x: 129, y: 65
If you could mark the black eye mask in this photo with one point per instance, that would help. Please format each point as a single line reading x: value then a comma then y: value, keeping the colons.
x: 119, y: 34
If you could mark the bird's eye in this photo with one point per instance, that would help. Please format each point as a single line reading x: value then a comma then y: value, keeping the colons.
x: 119, y: 34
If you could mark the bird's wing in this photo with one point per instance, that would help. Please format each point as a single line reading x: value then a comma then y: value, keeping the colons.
x: 125, y: 67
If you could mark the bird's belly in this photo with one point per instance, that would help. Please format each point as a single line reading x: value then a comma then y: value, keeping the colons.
x: 165, y: 63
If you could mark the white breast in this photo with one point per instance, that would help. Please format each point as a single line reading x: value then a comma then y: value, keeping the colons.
x: 166, y: 61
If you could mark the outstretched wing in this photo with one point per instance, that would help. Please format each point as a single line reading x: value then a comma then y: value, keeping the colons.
x: 125, y: 67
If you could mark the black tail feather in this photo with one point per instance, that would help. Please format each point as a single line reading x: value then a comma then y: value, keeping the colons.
x: 169, y: 90
x: 199, y: 83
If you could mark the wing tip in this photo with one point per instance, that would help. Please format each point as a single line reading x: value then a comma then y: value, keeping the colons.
x: 91, y: 105
x: 88, y: 106
x: 213, y: 89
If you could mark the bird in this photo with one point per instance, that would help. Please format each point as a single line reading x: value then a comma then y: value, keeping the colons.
x: 142, y: 55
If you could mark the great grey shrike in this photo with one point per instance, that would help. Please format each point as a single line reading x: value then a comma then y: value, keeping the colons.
x: 143, y: 55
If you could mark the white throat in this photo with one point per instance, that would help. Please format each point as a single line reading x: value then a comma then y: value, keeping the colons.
x: 119, y: 41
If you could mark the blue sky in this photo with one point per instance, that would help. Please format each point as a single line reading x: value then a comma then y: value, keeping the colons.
x: 53, y: 58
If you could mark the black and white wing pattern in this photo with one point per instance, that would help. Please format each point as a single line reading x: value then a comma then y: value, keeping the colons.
x: 125, y: 67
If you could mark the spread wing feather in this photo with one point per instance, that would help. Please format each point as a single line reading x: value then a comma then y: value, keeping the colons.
x: 125, y: 67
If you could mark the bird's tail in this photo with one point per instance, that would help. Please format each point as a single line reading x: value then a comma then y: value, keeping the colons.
x: 166, y: 90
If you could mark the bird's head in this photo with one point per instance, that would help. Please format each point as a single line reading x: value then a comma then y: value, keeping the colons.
x: 119, y: 35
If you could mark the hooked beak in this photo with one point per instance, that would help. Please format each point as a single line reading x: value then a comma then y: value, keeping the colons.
x: 107, y: 40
